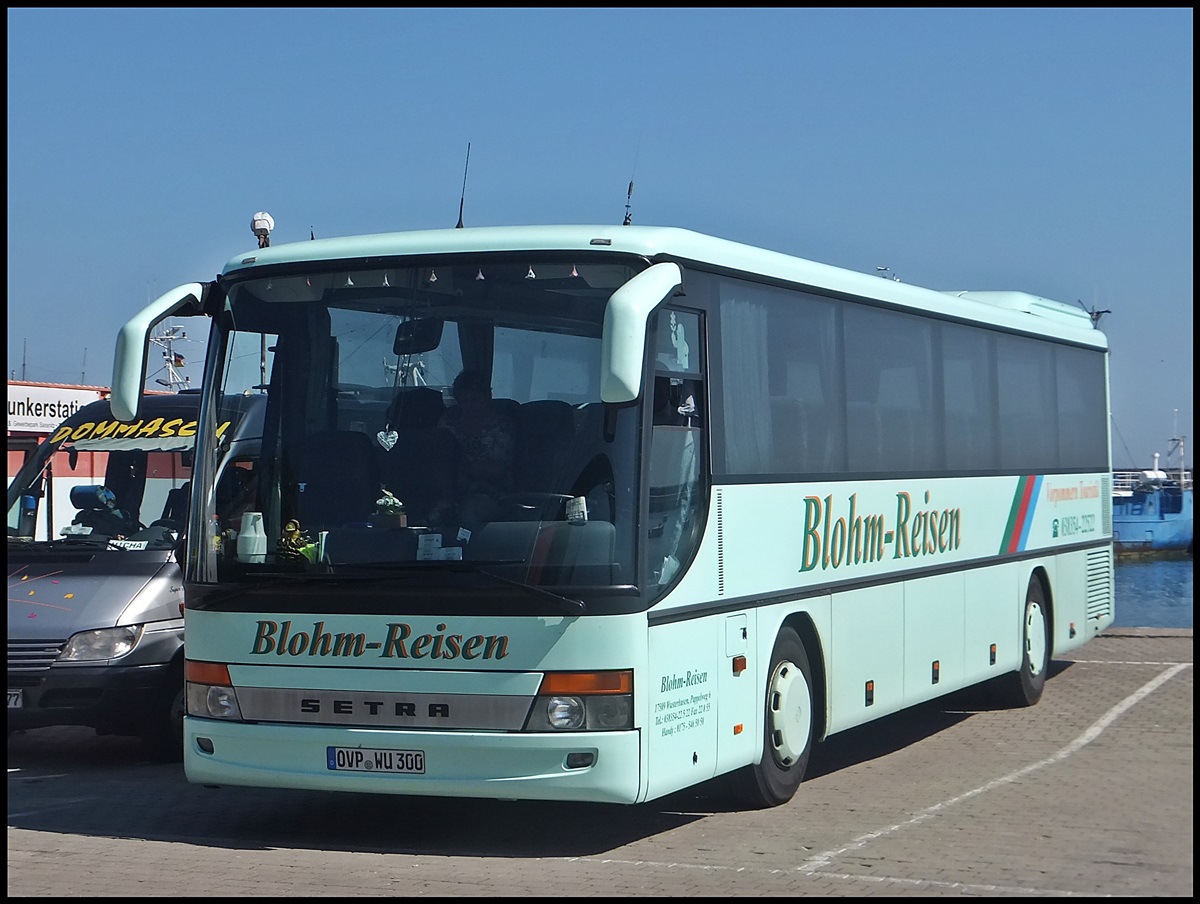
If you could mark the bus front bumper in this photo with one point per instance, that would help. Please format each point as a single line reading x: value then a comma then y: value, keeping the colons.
x: 523, y: 766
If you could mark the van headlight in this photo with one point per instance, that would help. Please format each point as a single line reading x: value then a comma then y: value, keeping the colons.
x: 107, y: 643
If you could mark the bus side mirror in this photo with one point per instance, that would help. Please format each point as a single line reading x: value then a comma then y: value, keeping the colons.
x: 129, y: 361
x: 623, y: 345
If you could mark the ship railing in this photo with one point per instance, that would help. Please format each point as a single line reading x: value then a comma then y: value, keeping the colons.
x: 1125, y: 481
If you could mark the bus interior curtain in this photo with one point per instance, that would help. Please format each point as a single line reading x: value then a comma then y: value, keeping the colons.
x: 748, y: 435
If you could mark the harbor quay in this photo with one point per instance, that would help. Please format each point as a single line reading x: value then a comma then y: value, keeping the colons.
x: 1088, y: 793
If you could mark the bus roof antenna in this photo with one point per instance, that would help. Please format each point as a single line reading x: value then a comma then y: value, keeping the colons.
x: 1093, y: 313
x: 464, y: 188
x: 629, y: 194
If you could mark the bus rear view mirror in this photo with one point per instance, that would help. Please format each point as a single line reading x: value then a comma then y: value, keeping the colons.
x: 416, y: 336
x: 623, y: 344
x: 129, y: 360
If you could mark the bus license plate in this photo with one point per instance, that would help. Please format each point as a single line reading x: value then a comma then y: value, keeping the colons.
x: 366, y: 759
x: 16, y: 699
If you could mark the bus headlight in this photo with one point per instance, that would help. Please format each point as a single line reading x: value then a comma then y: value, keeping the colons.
x: 108, y: 643
x: 210, y: 693
x: 583, y: 701
x: 565, y: 712
x: 610, y: 713
x: 211, y: 701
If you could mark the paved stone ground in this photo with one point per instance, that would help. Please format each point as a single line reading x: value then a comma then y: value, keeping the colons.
x: 1089, y: 793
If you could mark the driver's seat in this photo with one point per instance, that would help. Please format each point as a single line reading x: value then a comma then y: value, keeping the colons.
x: 175, y: 510
x: 98, y: 510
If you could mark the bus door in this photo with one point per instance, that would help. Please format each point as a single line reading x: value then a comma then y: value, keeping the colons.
x: 677, y: 466
x: 688, y: 654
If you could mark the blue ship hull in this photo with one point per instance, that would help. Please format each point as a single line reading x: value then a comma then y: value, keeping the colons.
x: 1153, y: 519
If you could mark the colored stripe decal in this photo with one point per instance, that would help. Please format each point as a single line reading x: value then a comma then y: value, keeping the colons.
x: 1012, y: 516
x: 1020, y: 516
x: 1027, y: 515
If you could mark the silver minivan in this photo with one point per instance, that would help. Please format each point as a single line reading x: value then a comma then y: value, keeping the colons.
x: 96, y: 521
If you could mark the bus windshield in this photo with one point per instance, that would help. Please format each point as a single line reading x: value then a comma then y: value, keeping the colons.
x: 437, y: 419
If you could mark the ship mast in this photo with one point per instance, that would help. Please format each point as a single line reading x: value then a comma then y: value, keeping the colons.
x: 1176, y: 442
x: 172, y: 359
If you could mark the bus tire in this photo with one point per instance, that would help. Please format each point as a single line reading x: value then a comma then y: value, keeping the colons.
x: 1024, y: 687
x: 787, y: 729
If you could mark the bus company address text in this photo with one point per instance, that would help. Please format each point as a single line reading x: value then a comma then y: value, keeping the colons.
x: 683, y: 711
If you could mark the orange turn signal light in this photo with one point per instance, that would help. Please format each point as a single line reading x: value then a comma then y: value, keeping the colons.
x: 207, y: 672
x: 584, y: 683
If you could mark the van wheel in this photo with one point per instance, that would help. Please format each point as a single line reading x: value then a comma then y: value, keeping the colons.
x: 163, y: 737
x: 1024, y: 687
x: 787, y: 729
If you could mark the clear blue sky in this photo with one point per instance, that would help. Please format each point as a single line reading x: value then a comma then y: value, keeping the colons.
x: 1048, y: 151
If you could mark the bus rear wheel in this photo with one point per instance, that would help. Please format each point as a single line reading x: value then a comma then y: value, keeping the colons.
x: 787, y: 729
x: 1024, y: 687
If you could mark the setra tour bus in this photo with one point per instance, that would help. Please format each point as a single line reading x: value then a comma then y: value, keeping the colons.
x: 735, y: 502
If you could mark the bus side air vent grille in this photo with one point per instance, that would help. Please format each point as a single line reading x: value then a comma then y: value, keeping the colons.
x: 1106, y: 505
x: 1099, y: 583
x: 720, y: 549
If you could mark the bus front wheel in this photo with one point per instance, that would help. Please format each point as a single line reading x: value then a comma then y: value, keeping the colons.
x: 1024, y: 687
x: 787, y: 728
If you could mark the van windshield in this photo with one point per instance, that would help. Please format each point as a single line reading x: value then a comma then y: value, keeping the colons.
x: 99, y: 483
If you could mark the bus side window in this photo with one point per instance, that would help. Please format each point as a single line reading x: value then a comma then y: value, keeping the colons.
x: 676, y: 402
x: 675, y: 456
x: 236, y: 493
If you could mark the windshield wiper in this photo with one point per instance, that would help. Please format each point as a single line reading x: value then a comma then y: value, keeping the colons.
x: 572, y: 605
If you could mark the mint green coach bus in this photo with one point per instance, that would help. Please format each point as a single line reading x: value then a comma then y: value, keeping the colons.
x: 737, y: 502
